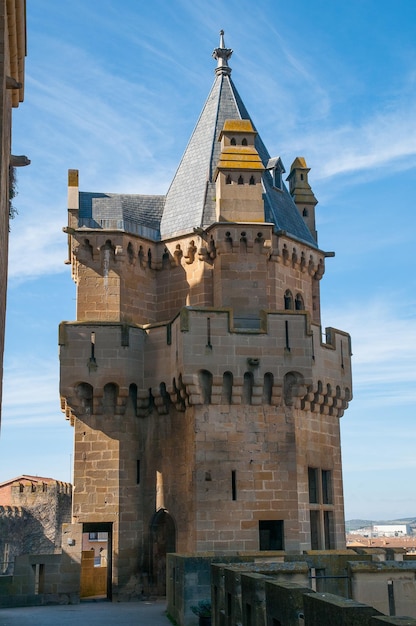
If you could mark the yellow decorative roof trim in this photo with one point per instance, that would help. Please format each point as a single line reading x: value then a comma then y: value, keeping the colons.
x: 238, y: 126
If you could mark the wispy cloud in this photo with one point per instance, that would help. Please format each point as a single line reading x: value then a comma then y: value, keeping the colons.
x: 386, y: 139
x: 384, y: 348
x: 30, y: 393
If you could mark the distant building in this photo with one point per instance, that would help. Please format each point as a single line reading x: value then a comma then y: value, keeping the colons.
x: 32, y: 512
x: 391, y: 530
x: 205, y: 401
x: 97, y: 542
x: 12, y: 74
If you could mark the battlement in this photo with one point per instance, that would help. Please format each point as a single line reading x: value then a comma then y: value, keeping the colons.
x: 202, y: 357
x: 12, y: 512
x: 226, y: 265
x: 21, y: 489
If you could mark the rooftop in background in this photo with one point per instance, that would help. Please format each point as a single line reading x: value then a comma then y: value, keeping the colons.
x: 25, y: 480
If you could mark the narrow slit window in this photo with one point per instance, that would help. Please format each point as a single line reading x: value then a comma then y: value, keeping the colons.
x: 234, y: 484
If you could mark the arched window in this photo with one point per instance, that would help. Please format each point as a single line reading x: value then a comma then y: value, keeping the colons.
x: 288, y: 300
x: 108, y: 252
x: 133, y: 397
x: 130, y: 252
x: 141, y: 256
x: 233, y: 141
x: 299, y: 305
x: 243, y: 241
x: 247, y: 387
x: 292, y: 385
x: 228, y: 180
x: 240, y: 180
x: 110, y: 398
x: 227, y: 388
x: 305, y: 213
x: 165, y: 397
x: 205, y: 382
x: 244, y: 142
x: 268, y: 388
x: 84, y: 392
x: 252, y: 180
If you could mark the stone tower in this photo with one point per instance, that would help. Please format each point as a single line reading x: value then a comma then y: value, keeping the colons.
x: 204, y: 401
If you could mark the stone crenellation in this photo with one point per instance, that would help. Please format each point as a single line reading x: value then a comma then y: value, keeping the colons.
x: 32, y: 521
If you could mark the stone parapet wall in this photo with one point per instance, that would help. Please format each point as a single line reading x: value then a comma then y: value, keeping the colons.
x: 264, y: 589
x: 286, y: 359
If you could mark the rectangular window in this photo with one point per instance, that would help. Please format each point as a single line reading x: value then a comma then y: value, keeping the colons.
x: 93, y: 536
x: 313, y: 485
x: 315, y: 530
x: 271, y: 535
x: 326, y: 487
x: 234, y: 484
x: 328, y: 529
x: 138, y: 472
x: 321, y: 516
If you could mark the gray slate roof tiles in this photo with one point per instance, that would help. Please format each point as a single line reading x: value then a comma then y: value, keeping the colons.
x: 190, y: 200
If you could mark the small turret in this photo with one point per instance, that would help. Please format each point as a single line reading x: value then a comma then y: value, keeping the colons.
x: 239, y: 191
x: 302, y: 193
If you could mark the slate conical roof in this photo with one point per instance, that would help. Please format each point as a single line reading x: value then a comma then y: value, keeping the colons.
x: 190, y: 200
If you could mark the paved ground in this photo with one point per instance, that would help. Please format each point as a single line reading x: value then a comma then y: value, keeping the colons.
x: 99, y: 613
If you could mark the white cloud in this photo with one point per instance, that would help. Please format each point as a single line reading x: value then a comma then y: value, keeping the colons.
x: 30, y: 392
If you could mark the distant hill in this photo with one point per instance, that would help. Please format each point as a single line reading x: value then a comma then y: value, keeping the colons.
x: 355, y: 524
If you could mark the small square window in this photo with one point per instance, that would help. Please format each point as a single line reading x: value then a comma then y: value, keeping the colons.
x: 271, y: 535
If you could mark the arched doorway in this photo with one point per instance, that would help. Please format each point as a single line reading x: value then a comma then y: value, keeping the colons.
x: 162, y: 541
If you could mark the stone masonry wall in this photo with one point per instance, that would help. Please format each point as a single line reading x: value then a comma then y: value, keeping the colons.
x: 33, y: 522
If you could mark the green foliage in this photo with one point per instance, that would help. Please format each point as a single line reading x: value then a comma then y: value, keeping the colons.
x: 12, y: 192
x: 202, y: 609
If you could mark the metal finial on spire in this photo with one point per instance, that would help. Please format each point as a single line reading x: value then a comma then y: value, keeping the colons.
x: 222, y: 54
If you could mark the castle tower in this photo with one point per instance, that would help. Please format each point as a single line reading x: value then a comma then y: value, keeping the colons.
x: 204, y: 401
x: 302, y: 193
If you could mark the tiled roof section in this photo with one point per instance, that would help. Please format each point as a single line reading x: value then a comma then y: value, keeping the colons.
x: 190, y: 201
x: 27, y: 477
x: 240, y: 157
x: 131, y: 212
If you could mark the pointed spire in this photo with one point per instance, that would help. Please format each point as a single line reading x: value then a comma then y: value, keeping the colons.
x: 222, y: 54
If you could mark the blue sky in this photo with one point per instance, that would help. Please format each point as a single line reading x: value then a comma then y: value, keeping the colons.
x: 114, y: 89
